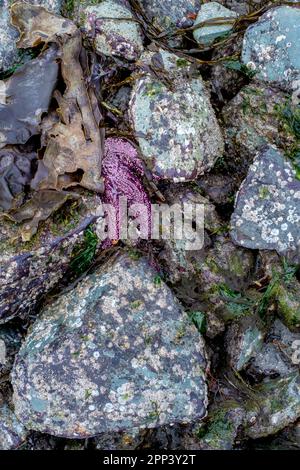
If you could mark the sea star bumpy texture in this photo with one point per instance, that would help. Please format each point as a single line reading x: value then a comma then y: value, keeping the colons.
x: 122, y: 171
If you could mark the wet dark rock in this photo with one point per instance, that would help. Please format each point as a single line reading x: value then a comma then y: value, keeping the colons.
x: 267, y: 207
x: 176, y: 127
x: 30, y: 270
x: 255, y: 117
x: 244, y: 339
x: 271, y: 47
x: 277, y: 405
x: 115, y: 353
x: 171, y: 15
x: 219, y: 188
x: 223, y: 426
x: 10, y: 342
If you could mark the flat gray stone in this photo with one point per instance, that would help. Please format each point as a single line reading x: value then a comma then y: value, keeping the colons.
x: 267, y: 207
x: 176, y: 127
x: 115, y: 353
x: 206, y: 35
x: 272, y: 48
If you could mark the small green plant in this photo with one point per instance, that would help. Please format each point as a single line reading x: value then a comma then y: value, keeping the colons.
x: 84, y: 254
x: 157, y: 281
x: 239, y: 67
x: 199, y: 320
x: 136, y: 304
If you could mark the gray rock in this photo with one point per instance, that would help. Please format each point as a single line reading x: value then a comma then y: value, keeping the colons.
x: 114, y: 36
x: 169, y: 15
x: 280, y: 355
x: 271, y: 46
x: 114, y: 354
x: 244, y: 339
x: 267, y: 207
x: 255, y: 117
x: 175, y: 126
x: 206, y: 35
x: 9, y: 55
x: 12, y: 432
x: 277, y: 405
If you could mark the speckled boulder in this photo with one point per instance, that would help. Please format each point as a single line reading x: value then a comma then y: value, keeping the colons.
x: 9, y: 54
x: 267, y: 207
x: 115, y: 353
x: 113, y: 37
x: 12, y: 432
x: 174, y: 122
x: 206, y: 35
x: 271, y: 46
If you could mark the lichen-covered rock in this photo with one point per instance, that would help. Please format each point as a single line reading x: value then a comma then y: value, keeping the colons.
x: 174, y: 122
x: 12, y: 432
x: 113, y: 36
x: 206, y: 35
x: 271, y: 46
x: 29, y: 270
x: 115, y: 353
x: 255, y: 117
x: 267, y: 207
x: 276, y: 405
x: 244, y: 339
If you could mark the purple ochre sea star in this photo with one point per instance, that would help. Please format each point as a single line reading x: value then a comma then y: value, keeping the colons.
x: 123, y: 171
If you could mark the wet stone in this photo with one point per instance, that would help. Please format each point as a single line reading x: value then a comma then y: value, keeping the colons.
x: 276, y: 406
x: 114, y: 36
x: 115, y: 353
x: 244, y: 339
x: 176, y: 127
x: 271, y: 47
x: 170, y: 14
x: 206, y: 35
x: 267, y: 207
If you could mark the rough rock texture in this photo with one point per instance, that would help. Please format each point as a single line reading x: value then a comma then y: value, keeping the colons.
x: 255, y: 117
x: 267, y: 207
x: 176, y: 127
x: 244, y: 339
x: 29, y: 270
x: 206, y: 35
x: 271, y: 46
x: 276, y: 406
x: 112, y: 37
x: 168, y: 14
x: 12, y: 432
x: 115, y: 353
